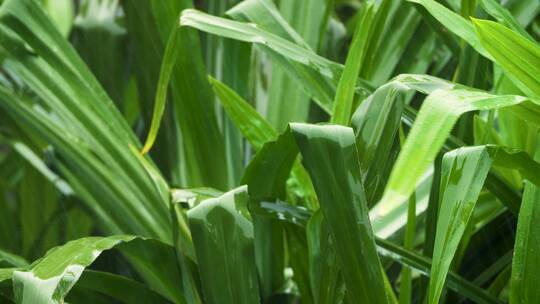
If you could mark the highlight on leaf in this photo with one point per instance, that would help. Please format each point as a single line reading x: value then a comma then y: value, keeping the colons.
x: 310, y: 151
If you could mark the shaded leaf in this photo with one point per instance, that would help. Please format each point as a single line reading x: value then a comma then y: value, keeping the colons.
x: 330, y: 156
x: 223, y: 237
x: 525, y: 263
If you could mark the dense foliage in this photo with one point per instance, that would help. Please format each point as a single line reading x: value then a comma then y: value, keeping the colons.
x: 259, y: 151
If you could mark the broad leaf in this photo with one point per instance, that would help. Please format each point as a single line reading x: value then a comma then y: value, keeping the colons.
x: 526, y: 263
x: 51, y: 278
x: 223, y: 237
x: 117, y: 287
x: 466, y: 168
x: 326, y: 280
x: 517, y: 55
x: 396, y: 253
x: 330, y: 156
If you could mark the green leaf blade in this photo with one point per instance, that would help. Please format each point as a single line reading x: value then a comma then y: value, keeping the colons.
x: 463, y: 174
x: 330, y: 156
x: 526, y: 261
x: 518, y: 56
x: 344, y: 99
x: 223, y: 237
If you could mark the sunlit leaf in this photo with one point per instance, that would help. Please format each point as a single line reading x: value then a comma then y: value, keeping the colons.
x: 521, y: 60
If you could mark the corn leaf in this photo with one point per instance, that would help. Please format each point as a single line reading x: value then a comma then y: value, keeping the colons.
x: 440, y: 111
x: 454, y: 23
x: 193, y: 98
x: 521, y: 61
x: 344, y: 99
x: 326, y: 280
x: 11, y: 260
x: 85, y: 125
x: 392, y: 251
x: 223, y: 237
x: 319, y: 72
x: 51, y: 278
x: 250, y: 123
x: 330, y: 156
x: 465, y: 168
x: 117, y: 287
x: 525, y: 262
x: 504, y: 16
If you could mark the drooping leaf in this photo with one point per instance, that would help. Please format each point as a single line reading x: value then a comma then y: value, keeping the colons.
x: 51, y: 278
x: 440, y: 111
x: 81, y: 123
x: 320, y: 71
x: 465, y: 168
x: 480, y: 42
x: 453, y: 22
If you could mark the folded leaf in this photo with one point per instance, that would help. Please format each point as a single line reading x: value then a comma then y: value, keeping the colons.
x: 330, y: 156
x: 223, y: 237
